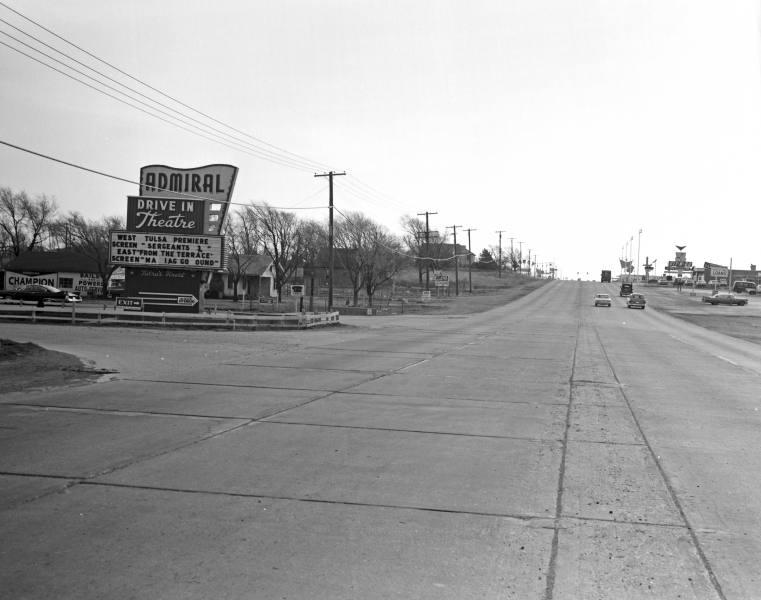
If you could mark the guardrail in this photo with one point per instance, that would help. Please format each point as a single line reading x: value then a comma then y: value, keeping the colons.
x: 104, y: 317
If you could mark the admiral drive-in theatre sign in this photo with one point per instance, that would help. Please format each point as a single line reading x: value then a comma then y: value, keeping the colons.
x: 173, y: 235
x: 211, y: 186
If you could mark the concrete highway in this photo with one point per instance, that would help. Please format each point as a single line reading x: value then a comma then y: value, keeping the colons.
x: 545, y: 450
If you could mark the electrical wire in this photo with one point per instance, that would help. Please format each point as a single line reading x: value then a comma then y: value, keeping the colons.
x: 179, y: 194
x: 395, y: 251
x: 266, y: 154
x: 181, y: 125
x: 315, y: 164
x: 277, y: 155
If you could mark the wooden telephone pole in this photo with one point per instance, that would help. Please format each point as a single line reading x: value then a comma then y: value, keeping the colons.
x: 330, y: 176
x: 427, y: 247
x: 454, y: 253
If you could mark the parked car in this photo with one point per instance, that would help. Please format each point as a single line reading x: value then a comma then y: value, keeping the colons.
x: 602, y: 300
x: 740, y: 287
x: 725, y: 298
x: 35, y: 292
x: 636, y: 301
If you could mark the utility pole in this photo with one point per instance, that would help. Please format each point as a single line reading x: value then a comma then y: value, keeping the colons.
x: 454, y: 253
x: 330, y: 176
x: 499, y: 265
x: 470, y: 265
x: 520, y: 257
x: 427, y: 248
x: 512, y: 255
x: 529, y: 262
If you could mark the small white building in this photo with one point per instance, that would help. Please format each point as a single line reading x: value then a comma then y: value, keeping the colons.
x: 64, y: 269
x: 256, y: 278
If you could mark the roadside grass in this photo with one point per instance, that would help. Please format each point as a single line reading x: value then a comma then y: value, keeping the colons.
x: 735, y: 321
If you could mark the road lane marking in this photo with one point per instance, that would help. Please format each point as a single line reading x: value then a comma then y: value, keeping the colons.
x: 415, y: 364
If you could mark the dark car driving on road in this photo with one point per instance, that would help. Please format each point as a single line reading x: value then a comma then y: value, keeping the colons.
x: 636, y: 301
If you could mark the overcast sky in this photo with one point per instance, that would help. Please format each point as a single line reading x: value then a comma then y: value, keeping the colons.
x: 568, y: 124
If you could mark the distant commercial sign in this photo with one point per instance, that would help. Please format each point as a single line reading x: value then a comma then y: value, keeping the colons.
x: 716, y: 271
x: 165, y: 250
x: 440, y: 279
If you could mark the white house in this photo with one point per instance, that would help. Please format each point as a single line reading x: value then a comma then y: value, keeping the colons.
x: 256, y: 278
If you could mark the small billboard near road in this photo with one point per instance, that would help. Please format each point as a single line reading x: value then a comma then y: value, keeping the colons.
x: 715, y: 271
x: 440, y: 279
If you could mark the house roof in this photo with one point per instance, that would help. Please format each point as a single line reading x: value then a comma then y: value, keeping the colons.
x: 253, y: 264
x: 53, y: 261
x: 340, y: 257
x: 447, y: 250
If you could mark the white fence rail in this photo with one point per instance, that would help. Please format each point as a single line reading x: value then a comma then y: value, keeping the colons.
x: 105, y: 317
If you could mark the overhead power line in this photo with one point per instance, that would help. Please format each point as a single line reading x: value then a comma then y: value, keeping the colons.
x: 314, y: 164
x: 405, y: 254
x: 137, y: 183
x: 153, y: 107
x: 189, y: 127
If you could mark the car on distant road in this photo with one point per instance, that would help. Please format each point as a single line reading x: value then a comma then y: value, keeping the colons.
x: 602, y: 300
x: 725, y: 298
x: 35, y: 292
x: 747, y: 287
x: 636, y: 301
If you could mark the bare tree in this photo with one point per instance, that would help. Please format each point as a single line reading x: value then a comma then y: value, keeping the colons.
x: 413, y: 237
x: 24, y: 222
x: 383, y: 257
x: 314, y: 237
x: 242, y: 238
x: 281, y: 239
x: 425, y: 247
x: 352, y: 236
x: 509, y: 259
x: 92, y: 240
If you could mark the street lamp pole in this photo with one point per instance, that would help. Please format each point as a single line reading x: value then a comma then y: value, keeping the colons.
x: 639, y: 236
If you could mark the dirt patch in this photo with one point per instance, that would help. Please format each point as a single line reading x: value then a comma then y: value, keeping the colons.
x: 25, y: 366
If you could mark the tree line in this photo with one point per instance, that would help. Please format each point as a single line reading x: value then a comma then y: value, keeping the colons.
x: 367, y: 253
